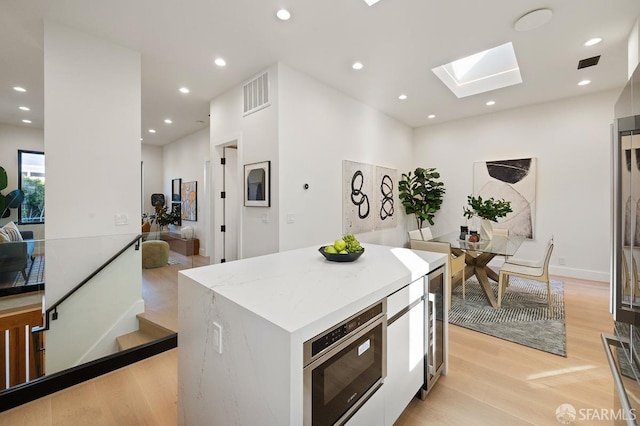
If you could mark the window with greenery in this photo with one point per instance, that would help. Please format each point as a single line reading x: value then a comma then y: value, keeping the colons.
x: 31, y: 182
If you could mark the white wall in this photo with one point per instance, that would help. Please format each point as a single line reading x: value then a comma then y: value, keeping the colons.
x: 13, y: 138
x: 319, y: 127
x: 257, y: 138
x: 152, y: 175
x: 185, y: 159
x: 571, y: 139
x: 92, y: 145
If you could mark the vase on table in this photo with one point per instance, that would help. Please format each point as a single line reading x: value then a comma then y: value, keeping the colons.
x: 486, y: 230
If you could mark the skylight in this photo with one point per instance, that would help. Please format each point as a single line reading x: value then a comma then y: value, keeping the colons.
x: 481, y: 72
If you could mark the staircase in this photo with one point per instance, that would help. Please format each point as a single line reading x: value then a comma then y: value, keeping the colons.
x: 148, y: 331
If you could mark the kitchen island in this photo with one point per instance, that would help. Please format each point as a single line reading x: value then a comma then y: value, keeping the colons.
x: 242, y: 326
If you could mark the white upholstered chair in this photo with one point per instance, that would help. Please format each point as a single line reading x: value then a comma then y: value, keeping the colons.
x: 426, y: 233
x: 533, y: 270
x: 501, y: 231
x: 455, y: 264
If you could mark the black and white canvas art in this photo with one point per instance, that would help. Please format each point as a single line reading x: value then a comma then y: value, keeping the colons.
x: 514, y: 181
x: 386, y: 197
x: 358, y: 197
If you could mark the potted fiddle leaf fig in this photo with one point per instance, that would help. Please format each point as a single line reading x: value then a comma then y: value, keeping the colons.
x: 489, y: 210
x: 421, y: 194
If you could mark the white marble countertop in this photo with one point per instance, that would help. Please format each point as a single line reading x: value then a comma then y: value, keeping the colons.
x: 299, y: 288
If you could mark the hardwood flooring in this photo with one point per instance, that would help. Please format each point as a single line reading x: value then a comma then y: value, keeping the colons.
x: 490, y: 381
x: 160, y: 289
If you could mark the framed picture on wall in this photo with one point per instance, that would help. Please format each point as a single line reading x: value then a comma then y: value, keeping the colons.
x: 190, y: 201
x: 175, y: 190
x: 257, y: 184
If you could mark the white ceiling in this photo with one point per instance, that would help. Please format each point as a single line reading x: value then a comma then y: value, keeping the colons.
x: 398, y: 41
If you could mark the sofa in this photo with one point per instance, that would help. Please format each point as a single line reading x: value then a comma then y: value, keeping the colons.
x: 15, y: 255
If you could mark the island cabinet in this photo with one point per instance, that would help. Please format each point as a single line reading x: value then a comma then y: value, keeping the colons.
x: 405, y: 348
x: 245, y: 328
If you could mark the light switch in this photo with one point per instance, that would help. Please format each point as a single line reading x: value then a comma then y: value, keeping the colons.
x: 217, y: 337
x: 291, y: 217
x: 265, y: 218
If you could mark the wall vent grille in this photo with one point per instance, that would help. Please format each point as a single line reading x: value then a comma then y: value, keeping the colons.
x: 256, y: 94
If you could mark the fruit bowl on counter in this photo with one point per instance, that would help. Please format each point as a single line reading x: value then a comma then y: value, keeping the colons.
x: 337, y: 257
x: 345, y: 249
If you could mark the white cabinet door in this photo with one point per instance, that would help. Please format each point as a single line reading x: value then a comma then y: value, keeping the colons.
x: 371, y: 413
x: 405, y: 362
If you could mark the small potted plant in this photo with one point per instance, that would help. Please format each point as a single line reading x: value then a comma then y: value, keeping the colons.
x: 421, y: 194
x: 489, y: 210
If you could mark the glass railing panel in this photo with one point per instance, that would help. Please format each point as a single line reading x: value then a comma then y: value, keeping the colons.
x: 113, y: 298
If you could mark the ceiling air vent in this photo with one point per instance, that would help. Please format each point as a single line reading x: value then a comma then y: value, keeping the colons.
x: 589, y: 62
x: 256, y: 94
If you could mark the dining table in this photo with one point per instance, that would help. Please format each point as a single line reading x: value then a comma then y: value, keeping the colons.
x: 477, y: 255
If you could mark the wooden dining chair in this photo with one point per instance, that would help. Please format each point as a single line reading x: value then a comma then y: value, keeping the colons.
x: 455, y: 264
x: 533, y: 270
x: 626, y: 277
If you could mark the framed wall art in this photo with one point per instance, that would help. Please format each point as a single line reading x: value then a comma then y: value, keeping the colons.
x: 189, y: 197
x: 512, y: 180
x: 257, y: 184
x: 175, y: 190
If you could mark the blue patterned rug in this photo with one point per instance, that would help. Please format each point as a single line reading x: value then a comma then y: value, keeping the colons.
x: 523, y: 317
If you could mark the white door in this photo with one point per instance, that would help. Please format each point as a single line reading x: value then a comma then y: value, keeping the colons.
x: 231, y: 204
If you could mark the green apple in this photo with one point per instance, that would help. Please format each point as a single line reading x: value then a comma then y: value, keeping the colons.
x: 330, y: 250
x: 339, y: 244
x: 343, y: 252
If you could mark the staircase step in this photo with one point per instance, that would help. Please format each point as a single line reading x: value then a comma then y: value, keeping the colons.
x: 133, y: 339
x: 160, y: 321
x: 148, y: 331
x: 151, y: 325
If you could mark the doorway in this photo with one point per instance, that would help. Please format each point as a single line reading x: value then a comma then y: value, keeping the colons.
x: 230, y: 202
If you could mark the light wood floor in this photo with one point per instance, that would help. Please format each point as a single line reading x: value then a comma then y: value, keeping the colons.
x: 490, y: 381
x: 160, y: 289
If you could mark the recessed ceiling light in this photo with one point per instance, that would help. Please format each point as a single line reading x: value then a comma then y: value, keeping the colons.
x: 141, y: 139
x: 593, y: 41
x: 584, y: 82
x: 184, y: 90
x: 220, y: 62
x: 430, y: 116
x: 402, y: 97
x: 19, y: 89
x: 168, y: 121
x: 24, y: 108
x: 26, y: 121
x: 490, y: 103
x: 152, y: 130
x: 357, y: 66
x: 533, y: 20
x: 371, y: 2
x: 283, y: 15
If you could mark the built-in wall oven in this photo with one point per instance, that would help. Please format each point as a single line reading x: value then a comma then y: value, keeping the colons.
x: 344, y: 366
x: 434, y: 329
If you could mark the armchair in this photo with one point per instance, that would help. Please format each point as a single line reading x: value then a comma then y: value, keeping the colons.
x: 15, y: 255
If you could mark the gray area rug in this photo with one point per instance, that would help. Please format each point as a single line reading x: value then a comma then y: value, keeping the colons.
x: 523, y: 317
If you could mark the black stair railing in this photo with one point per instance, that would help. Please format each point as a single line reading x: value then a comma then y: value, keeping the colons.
x: 51, y: 314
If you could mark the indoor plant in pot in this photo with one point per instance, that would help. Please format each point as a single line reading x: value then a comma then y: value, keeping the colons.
x: 488, y: 210
x: 421, y: 194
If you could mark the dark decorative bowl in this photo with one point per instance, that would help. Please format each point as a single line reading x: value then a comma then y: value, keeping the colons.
x: 340, y: 257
